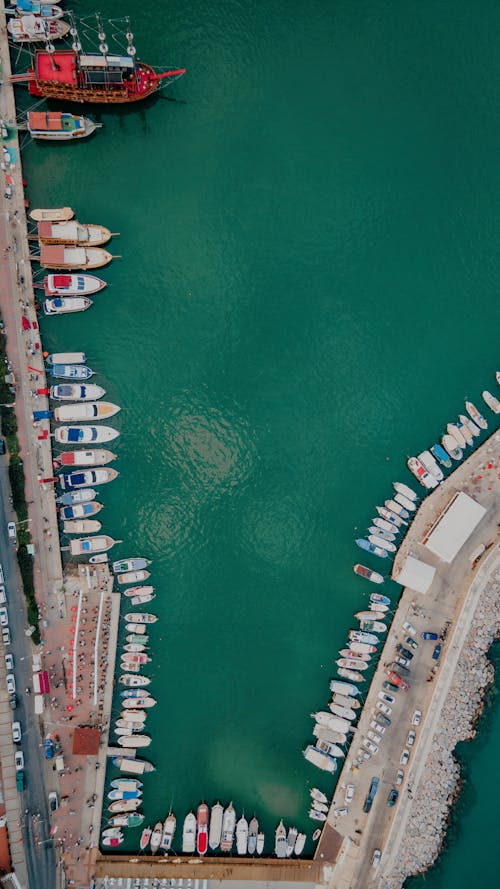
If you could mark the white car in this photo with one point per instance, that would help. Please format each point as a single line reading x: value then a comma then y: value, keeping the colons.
x: 11, y: 531
x: 4, y: 617
x: 11, y: 683
x: 409, y: 628
x: 374, y: 737
x: 16, y: 732
x: 399, y: 776
x: 369, y: 745
x: 340, y: 812
x: 19, y: 760
x: 417, y: 716
x: 411, y: 738
x: 9, y: 661
x: 363, y: 755
x: 405, y: 755
x: 377, y: 855
x: 387, y: 699
x: 349, y: 794
x: 384, y: 708
x: 377, y: 727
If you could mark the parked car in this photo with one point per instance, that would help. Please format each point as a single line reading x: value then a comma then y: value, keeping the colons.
x: 19, y: 760
x: 417, y: 716
x: 390, y: 686
x: 6, y: 636
x: 16, y: 732
x: 4, y: 617
x: 377, y: 727
x: 9, y: 662
x: 396, y: 678
x: 20, y: 781
x: 411, y: 642
x: 399, y: 776
x: 3, y: 595
x: 404, y: 652
x: 373, y: 736
x: 387, y: 699
x: 437, y: 652
x: 11, y: 683
x: 363, y: 756
x: 12, y: 533
x: 382, y: 719
x: 409, y: 628
x: 400, y: 669
x: 402, y: 661
x: 432, y: 636
x: 411, y: 738
x: 369, y: 745
x: 349, y: 794
x: 2, y: 446
x: 13, y: 701
x: 393, y: 797
x: 340, y: 812
x: 377, y: 855
x: 53, y: 801
x: 384, y: 708
x: 405, y: 755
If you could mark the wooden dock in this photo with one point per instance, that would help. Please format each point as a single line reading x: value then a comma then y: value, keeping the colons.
x: 260, y: 870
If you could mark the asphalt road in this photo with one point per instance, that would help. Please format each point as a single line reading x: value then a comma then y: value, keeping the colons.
x: 40, y: 856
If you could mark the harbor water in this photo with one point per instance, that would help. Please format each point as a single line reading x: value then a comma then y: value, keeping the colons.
x: 307, y: 291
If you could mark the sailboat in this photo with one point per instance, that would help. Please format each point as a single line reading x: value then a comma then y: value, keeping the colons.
x: 215, y: 834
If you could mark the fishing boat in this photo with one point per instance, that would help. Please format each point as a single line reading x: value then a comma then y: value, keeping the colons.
x: 156, y: 837
x: 318, y: 795
x: 72, y: 497
x: 375, y: 626
x: 124, y: 805
x: 168, y: 832
x: 35, y: 29
x: 321, y: 760
x: 470, y: 425
x: 228, y: 825
x: 87, y: 477
x: 346, y: 701
x: 359, y: 636
x: 141, y: 639
x: 215, y: 834
x: 72, y: 285
x: 76, y: 391
x: 379, y: 599
x: 99, y: 559
x: 133, y: 765
x: 57, y: 214
x: 189, y: 833
x: 465, y: 431
x: 455, y: 433
x: 364, y: 647
x: 94, y: 457
x: 316, y: 816
x: 130, y: 668
x: 129, y: 565
x: 344, y: 688
x: 81, y: 546
x: 351, y: 674
x: 352, y: 663
x: 253, y: 832
x: 131, y: 704
x: 35, y: 7
x: 440, y: 455
x: 82, y: 526
x: 331, y: 722
x: 127, y: 819
x: 126, y: 784
x: 142, y: 599
x: 299, y: 844
x: 242, y: 836
x: 450, y: 446
x: 431, y: 465
x: 326, y: 734
x: 351, y: 653
x: 475, y: 415
x: 80, y: 510
x: 61, y: 256
x: 129, y: 657
x: 407, y: 492
x: 131, y: 717
x: 381, y: 543
x: 492, y: 402
x: 368, y: 574
x: 87, y: 410
x: 59, y: 126
x: 143, y: 618
x: 125, y: 795
x: 344, y: 713
x: 135, y: 646
x: 72, y: 233
x: 260, y: 843
x: 403, y: 501
x: 319, y: 807
x: 135, y: 628
x: 420, y: 472
x: 139, y: 591
x: 62, y: 305
x: 371, y: 548
x: 133, y: 576
x: 280, y: 841
x: 388, y: 527
x: 397, y: 509
x: 85, y: 434
x: 134, y: 681
x: 145, y: 839
x: 290, y: 841
x: 134, y: 693
x: 70, y: 371
x: 379, y: 532
x: 134, y: 740
x: 391, y: 516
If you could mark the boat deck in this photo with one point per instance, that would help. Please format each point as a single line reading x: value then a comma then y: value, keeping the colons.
x: 58, y: 67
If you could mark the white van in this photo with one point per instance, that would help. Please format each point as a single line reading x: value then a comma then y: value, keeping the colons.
x: 3, y: 597
x: 2, y: 578
x: 12, y: 532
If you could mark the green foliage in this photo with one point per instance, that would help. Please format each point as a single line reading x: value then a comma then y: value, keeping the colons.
x: 26, y: 569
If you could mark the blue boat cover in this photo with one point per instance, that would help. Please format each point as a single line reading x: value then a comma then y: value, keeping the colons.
x: 86, y: 546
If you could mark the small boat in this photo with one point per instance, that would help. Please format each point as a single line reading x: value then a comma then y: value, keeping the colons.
x: 134, y: 741
x: 380, y: 543
x: 98, y: 559
x: 134, y: 681
x: 136, y: 629
x: 112, y: 831
x: 344, y: 688
x: 290, y: 841
x: 497, y: 377
x: 127, y: 819
x: 352, y: 653
x: 76, y: 391
x: 168, y: 832
x: 189, y: 833
x: 228, y: 825
x: 70, y: 371
x: 455, y: 433
x: 66, y: 305
x: 351, y: 674
x: 100, y: 476
x: 325, y: 734
x: 82, y: 546
x: 44, y: 10
x: 407, y: 504
x: 492, y: 402
x: 156, y: 837
x: 145, y: 839
x: 352, y: 663
x: 129, y: 657
x: 450, y: 446
x: 72, y: 233
x: 133, y: 693
x: 379, y: 532
x: 35, y: 29
x: 317, y: 816
x: 94, y: 457
x: 384, y: 525
x: 374, y: 614
x: 215, y: 834
x: 280, y: 841
x: 143, y: 618
x: 242, y: 836
x: 135, y: 646
x: 319, y: 807
x: 465, y: 431
x: 133, y: 576
x: 72, y: 285
x: 124, y: 805
x: 112, y: 842
x: 58, y: 214
x: 391, y: 516
x: 316, y: 835
x: 375, y: 626
x: 371, y: 548
x: 138, y: 591
x: 253, y: 832
x: 65, y: 256
x: 440, y: 455
x: 132, y: 716
x: 129, y: 565
x: 126, y: 732
x: 299, y: 844
x: 359, y: 636
x: 131, y: 704
x: 318, y: 795
x: 368, y: 574
x: 85, y: 410
x: 130, y: 668
x: 420, y: 472
x: 431, y: 465
x: 380, y: 599
x: 132, y: 765
x: 364, y: 647
x: 470, y: 425
x: 331, y: 722
x: 396, y: 508
x: 343, y: 713
x: 321, y: 760
x: 475, y: 415
x: 85, y: 495
x: 82, y: 526
x: 141, y: 639
x: 407, y: 492
x: 260, y: 843
x: 124, y: 794
x: 80, y: 510
x: 85, y: 434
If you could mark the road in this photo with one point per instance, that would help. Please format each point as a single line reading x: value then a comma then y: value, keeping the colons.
x: 40, y: 859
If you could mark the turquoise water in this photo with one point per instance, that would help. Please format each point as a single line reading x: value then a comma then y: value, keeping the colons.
x: 306, y: 294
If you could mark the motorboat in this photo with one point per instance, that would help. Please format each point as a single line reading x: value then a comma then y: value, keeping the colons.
x: 85, y: 434
x: 137, y: 703
x: 124, y: 794
x: 351, y: 653
x: 329, y: 721
x: 70, y: 371
x: 56, y: 214
x: 82, y: 526
x: 189, y: 833
x: 450, y: 446
x: 326, y: 734
x: 317, y: 816
x: 492, y: 402
x: 66, y: 305
x: 453, y: 430
x: 371, y: 548
x: 465, y: 431
x: 156, y: 837
x: 470, y: 425
x: 134, y: 741
x: 124, y: 805
x: 112, y: 842
x: 316, y: 835
x: 76, y: 391
x: 299, y: 844
x: 253, y: 832
x: 321, y: 760
x: 215, y: 834
x: 93, y: 457
x: 343, y: 713
x: 421, y: 474
x: 44, y: 10
x: 319, y: 807
x: 379, y: 532
x: 133, y: 765
x: 375, y: 626
x: 407, y: 492
x: 228, y: 826
x: 142, y: 598
x: 404, y: 502
x: 72, y: 257
x: 133, y: 576
x: 475, y: 415
x: 353, y: 675
x: 143, y: 640
x: 83, y: 479
x: 280, y: 841
x: 318, y: 795
x: 260, y: 843
x: 379, y: 599
x: 70, y: 498
x: 126, y: 784
x: 35, y: 29
x: 135, y: 646
x: 384, y: 525
x: 82, y: 546
x: 126, y: 819
x: 290, y: 841
x: 346, y: 701
x: 374, y: 614
x: 344, y: 688
x: 134, y: 681
x: 129, y: 657
x: 72, y: 285
x: 431, y: 465
x: 359, y: 636
x: 129, y: 565
x: 368, y: 574
x: 85, y: 410
x: 363, y: 647
x: 138, y: 591
x: 242, y: 836
x: 168, y: 832
x: 352, y: 663
x: 133, y: 693
x: 396, y: 508
x: 439, y: 453
x: 497, y: 377
x: 132, y: 717
x: 379, y: 542
x: 136, y: 629
x: 145, y: 839
x: 99, y: 559
x: 143, y: 618
x: 390, y: 516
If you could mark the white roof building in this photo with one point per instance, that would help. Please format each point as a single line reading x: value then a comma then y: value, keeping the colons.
x: 454, y: 526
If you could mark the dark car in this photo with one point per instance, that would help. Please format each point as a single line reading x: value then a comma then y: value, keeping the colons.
x: 389, y: 686
x: 436, y: 652
x: 411, y: 642
x: 2, y: 446
x: 48, y: 749
x: 393, y: 797
x: 400, y: 669
x: 20, y: 781
x: 432, y: 636
x: 404, y: 651
x: 384, y: 720
x: 13, y: 701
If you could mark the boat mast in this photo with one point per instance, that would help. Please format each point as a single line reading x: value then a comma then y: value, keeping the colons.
x: 76, y: 45
x: 131, y: 50
x: 103, y: 46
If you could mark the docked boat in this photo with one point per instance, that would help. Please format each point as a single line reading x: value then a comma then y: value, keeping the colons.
x: 260, y: 843
x: 344, y: 688
x: 316, y: 835
x: 431, y: 465
x: 321, y: 760
x: 72, y: 285
x: 379, y: 532
x: 318, y: 795
x: 128, y: 657
x: 112, y: 842
x: 82, y: 526
x: 35, y: 29
x: 70, y: 498
x: 126, y: 784
x: 470, y: 425
x: 131, y: 717
x: 56, y: 214
x: 127, y: 819
x: 94, y: 457
x: 475, y: 415
x: 72, y: 233
x: 132, y: 765
x: 134, y: 741
x: 215, y: 834
x: 317, y: 816
x: 85, y: 434
x: 87, y: 477
x: 404, y: 502
x: 85, y: 411
x: 35, y: 7
x: 421, y: 474
x: 134, y: 681
x: 343, y: 713
x: 60, y: 256
x: 380, y: 543
x: 142, y: 599
x: 143, y: 618
x: 353, y: 675
x: 82, y: 546
x: 290, y: 841
x: 136, y: 629
x: 368, y: 574
x: 450, y: 446
x: 140, y: 639
x: 124, y: 794
x: 133, y: 576
x: 242, y: 836
x: 129, y: 565
x: 331, y: 722
x: 352, y: 663
x: 139, y: 703
x: 406, y: 491
x: 124, y: 805
x: 76, y: 391
x: 453, y: 430
x: 439, y: 453
x: 80, y: 510
x: 326, y: 734
x: 145, y: 839
x: 388, y: 527
x: 228, y: 826
x: 397, y: 509
x: 374, y: 614
x: 280, y: 841
x: 70, y: 371
x: 99, y: 559
x: 359, y: 636
x: 379, y: 599
x: 373, y: 626
x: 168, y: 832
x: 134, y: 693
x: 189, y: 833
x: 253, y: 833
x: 391, y: 516
x: 319, y: 807
x: 363, y: 647
x: 492, y: 402
x: 299, y: 844
x: 371, y: 548
x: 65, y: 305
x: 156, y: 837
x: 497, y: 377
x: 139, y: 591
x: 351, y: 653
x: 465, y: 431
